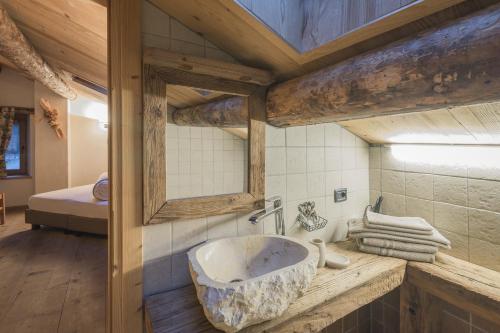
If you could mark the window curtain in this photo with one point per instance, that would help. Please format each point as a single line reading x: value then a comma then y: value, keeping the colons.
x: 6, y: 125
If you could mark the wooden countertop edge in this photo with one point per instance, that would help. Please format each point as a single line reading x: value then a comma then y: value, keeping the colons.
x: 471, y: 287
x: 329, y: 312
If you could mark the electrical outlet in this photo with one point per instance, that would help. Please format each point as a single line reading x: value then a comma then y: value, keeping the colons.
x: 340, y: 194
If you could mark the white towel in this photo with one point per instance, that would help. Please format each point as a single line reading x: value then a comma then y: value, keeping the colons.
x: 415, y: 256
x: 401, y: 246
x: 414, y: 225
x: 101, y: 188
x: 358, y: 230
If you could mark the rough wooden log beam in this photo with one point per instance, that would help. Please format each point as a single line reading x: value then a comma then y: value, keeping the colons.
x: 456, y: 64
x: 17, y: 49
x: 229, y: 112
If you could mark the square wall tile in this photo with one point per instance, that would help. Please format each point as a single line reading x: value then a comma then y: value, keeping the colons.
x: 375, y: 179
x: 159, y: 240
x: 157, y: 275
x: 459, y: 245
x: 296, y: 160
x: 348, y: 158
x: 484, y: 253
x: 388, y: 160
x: 421, y: 208
x: 393, y: 204
x: 296, y: 187
x: 275, y: 161
x: 362, y: 158
x: 484, y: 225
x: 275, y: 136
x: 315, y: 159
x: 245, y: 227
x: 188, y: 233
x: 451, y: 218
x: 180, y: 270
x: 158, y: 23
x: 333, y: 180
x: 316, y: 184
x: 333, y: 158
x: 374, y: 156
x: 484, y: 194
x: 296, y: 136
x: 419, y: 185
x: 348, y: 139
x: 333, y: 135
x: 451, y: 190
x: 315, y: 135
x: 276, y: 185
x: 222, y: 226
x: 393, y: 182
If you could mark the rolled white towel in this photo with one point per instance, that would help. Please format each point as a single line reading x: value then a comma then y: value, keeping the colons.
x: 101, y: 188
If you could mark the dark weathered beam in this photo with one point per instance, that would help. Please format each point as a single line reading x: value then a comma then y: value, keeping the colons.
x: 18, y: 50
x: 456, y: 64
x: 229, y: 112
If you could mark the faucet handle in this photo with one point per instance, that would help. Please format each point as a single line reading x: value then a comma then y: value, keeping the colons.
x: 276, y: 200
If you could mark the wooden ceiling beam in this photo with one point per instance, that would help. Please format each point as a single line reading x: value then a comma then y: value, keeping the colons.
x: 230, y: 112
x: 456, y: 64
x: 205, y: 82
x: 205, y: 66
x: 17, y: 49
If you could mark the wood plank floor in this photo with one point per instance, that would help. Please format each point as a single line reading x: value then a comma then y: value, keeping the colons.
x: 50, y: 281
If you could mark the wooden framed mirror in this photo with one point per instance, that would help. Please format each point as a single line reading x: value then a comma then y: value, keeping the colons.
x: 247, y: 87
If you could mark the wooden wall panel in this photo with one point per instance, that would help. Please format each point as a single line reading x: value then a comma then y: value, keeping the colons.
x: 473, y: 124
x: 124, y: 308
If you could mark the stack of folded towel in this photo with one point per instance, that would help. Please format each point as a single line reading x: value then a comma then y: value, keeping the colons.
x: 410, y: 238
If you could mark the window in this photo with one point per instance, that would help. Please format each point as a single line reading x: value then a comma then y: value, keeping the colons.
x: 17, y: 151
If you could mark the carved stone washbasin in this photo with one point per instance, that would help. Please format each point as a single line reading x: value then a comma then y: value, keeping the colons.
x: 241, y: 281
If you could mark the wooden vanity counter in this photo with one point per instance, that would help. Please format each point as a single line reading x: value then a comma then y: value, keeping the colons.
x: 333, y: 294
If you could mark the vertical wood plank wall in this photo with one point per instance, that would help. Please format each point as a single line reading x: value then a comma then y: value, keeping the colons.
x: 124, y: 308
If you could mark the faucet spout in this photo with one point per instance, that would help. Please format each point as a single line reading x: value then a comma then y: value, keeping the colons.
x: 277, y: 210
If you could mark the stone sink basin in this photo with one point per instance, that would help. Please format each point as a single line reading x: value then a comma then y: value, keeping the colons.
x: 241, y: 281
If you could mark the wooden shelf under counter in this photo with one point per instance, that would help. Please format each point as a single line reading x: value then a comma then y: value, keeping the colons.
x: 333, y: 294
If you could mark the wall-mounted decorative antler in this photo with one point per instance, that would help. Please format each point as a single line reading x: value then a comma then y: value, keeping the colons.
x: 51, y: 114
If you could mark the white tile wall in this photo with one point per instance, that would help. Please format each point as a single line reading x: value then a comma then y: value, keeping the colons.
x: 205, y: 161
x: 161, y: 31
x: 300, y: 165
x: 460, y: 199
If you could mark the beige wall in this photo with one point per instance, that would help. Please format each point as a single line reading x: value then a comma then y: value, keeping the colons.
x: 51, y: 153
x: 16, y: 90
x: 455, y: 188
x: 88, y: 150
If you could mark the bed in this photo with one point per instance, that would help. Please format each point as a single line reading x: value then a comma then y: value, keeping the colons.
x: 73, y: 209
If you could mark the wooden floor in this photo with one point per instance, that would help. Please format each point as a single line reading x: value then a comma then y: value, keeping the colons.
x: 50, y: 281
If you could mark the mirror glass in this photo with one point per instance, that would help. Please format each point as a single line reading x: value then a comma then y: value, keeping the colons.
x: 203, y: 159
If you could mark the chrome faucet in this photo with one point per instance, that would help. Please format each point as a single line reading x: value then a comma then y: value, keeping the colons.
x: 277, y: 210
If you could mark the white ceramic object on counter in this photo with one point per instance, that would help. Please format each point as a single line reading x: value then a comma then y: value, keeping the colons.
x: 320, y: 244
x: 241, y: 281
x: 334, y: 260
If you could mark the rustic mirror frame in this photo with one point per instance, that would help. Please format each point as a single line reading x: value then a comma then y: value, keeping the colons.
x: 157, y: 209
